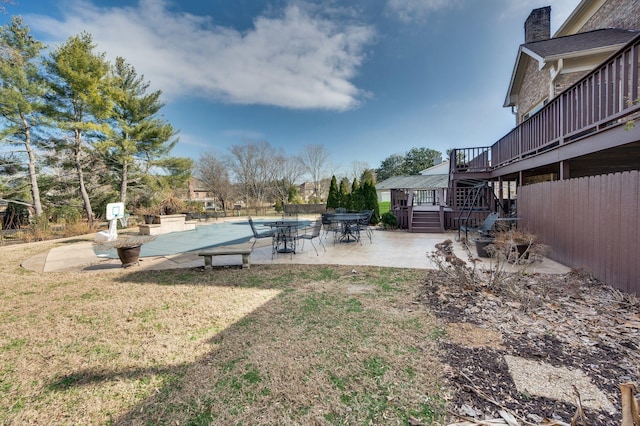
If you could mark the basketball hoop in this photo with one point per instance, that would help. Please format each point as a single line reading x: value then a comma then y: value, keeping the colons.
x: 115, y: 212
x: 124, y: 220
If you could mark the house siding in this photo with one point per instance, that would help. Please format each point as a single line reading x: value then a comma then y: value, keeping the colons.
x: 623, y: 14
x: 563, y: 81
x: 534, y: 89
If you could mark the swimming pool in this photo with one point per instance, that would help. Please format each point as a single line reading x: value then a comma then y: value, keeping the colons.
x: 203, y: 237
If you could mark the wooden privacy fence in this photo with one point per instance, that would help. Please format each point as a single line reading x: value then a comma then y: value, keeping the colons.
x: 305, y: 208
x: 591, y: 222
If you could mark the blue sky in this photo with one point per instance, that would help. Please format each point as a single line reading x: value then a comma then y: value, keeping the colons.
x: 365, y: 78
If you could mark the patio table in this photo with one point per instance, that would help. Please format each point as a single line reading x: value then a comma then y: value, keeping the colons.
x: 349, y: 226
x: 284, y: 237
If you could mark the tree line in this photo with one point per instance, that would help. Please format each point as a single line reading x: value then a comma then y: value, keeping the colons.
x: 355, y: 196
x: 261, y: 175
x: 81, y: 131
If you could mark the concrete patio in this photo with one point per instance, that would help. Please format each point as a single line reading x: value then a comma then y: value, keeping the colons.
x: 398, y: 249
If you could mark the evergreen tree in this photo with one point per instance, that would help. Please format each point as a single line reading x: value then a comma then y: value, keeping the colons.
x: 370, y: 200
x: 333, y: 198
x: 21, y: 95
x: 357, y: 202
x: 368, y: 176
x: 345, y: 197
x: 138, y: 134
x: 79, y: 103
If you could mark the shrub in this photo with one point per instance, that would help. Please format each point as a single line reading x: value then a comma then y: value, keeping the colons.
x: 65, y: 215
x: 193, y: 206
x: 389, y: 220
x: 38, y: 230
x: 78, y: 228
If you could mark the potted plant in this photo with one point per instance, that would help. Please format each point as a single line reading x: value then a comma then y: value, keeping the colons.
x: 482, y: 243
x: 171, y: 204
x: 148, y: 213
x: 128, y: 247
x: 516, y: 245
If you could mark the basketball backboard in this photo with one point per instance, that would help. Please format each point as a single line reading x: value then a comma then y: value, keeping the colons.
x: 115, y: 211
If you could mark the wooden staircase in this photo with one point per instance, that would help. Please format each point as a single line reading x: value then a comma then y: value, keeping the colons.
x: 426, y: 222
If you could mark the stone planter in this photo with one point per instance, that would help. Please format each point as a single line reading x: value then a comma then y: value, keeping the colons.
x: 481, y: 243
x: 129, y: 255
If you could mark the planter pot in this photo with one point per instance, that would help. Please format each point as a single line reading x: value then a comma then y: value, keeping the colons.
x: 129, y: 255
x: 522, y: 251
x: 149, y: 218
x: 481, y: 243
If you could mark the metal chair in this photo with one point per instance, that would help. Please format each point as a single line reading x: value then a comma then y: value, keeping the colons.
x: 328, y: 225
x: 258, y: 235
x: 363, y: 223
x: 311, y: 232
x: 484, y: 229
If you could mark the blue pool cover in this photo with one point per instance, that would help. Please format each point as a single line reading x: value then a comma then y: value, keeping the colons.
x: 204, y: 236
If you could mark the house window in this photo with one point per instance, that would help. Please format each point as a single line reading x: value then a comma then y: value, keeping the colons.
x: 535, y: 109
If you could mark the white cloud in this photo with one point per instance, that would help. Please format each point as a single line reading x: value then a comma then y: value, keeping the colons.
x: 295, y: 60
x: 416, y: 10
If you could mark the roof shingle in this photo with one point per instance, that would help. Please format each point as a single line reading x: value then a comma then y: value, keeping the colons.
x: 580, y: 42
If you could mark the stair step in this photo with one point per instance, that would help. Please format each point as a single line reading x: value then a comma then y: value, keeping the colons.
x: 425, y: 222
x: 426, y: 230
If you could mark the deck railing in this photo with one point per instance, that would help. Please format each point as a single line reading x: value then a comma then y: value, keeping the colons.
x: 608, y: 95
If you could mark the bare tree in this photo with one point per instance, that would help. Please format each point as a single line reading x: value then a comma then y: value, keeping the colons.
x: 357, y: 169
x: 289, y: 171
x: 254, y: 170
x: 315, y: 160
x: 214, y: 175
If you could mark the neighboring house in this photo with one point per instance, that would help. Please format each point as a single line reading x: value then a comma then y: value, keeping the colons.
x: 432, y: 178
x: 307, y: 190
x: 441, y: 168
x: 415, y: 183
x: 197, y: 192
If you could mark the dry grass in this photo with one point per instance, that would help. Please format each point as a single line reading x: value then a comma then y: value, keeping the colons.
x: 272, y: 345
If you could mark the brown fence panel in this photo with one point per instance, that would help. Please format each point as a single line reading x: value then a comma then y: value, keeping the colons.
x: 590, y: 222
x: 305, y: 208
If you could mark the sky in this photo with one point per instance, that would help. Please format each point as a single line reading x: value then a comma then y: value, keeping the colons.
x: 364, y: 78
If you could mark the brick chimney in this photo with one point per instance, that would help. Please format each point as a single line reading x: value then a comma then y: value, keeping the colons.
x: 538, y: 25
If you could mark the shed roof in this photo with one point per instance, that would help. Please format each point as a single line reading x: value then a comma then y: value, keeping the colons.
x: 414, y: 182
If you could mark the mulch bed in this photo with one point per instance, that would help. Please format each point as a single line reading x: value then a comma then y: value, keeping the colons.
x: 566, y: 320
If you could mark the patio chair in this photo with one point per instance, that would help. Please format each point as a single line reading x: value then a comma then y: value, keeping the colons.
x: 328, y: 225
x: 363, y: 223
x: 258, y: 235
x: 484, y: 229
x: 311, y: 232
